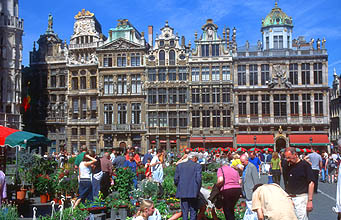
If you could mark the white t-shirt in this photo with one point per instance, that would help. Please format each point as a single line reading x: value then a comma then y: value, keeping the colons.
x: 84, y: 171
x: 155, y: 160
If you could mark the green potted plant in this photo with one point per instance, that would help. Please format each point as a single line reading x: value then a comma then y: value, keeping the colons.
x: 42, y: 187
x: 124, y: 182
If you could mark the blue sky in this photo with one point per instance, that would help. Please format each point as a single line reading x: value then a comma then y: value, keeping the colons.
x: 312, y: 19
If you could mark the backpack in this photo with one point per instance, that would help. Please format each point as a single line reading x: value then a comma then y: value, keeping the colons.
x: 332, y: 163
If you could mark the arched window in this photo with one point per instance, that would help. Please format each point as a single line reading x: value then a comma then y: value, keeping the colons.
x: 162, y: 57
x: 171, y: 57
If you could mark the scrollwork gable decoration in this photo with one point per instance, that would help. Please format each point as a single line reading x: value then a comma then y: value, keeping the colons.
x: 209, y: 31
x: 279, y: 78
x: 121, y: 44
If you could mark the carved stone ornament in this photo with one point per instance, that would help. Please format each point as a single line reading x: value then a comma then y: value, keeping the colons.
x: 121, y: 44
x: 279, y: 78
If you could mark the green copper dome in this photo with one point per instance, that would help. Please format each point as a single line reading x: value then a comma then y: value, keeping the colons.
x: 276, y: 18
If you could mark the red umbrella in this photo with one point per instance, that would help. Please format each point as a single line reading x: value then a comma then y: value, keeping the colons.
x: 241, y: 149
x: 268, y: 149
x: 254, y: 149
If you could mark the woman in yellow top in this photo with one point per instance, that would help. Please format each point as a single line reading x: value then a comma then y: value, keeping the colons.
x: 276, y: 168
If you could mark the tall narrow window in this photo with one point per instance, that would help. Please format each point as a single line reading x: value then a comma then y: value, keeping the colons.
x: 205, y: 50
x: 162, y: 57
x: 280, y: 105
x: 265, y: 74
x: 205, y: 96
x: 136, y: 113
x: 278, y: 42
x: 136, y: 84
x: 305, y: 73
x: 163, y: 119
x: 306, y: 108
x: 241, y: 75
x: 182, y: 74
x: 183, y: 119
x: 226, y: 118
x: 195, y: 119
x: 195, y: 74
x: 93, y: 82
x: 172, y: 95
x: 318, y: 103
x: 53, y: 81
x: 171, y: 57
x: 206, y: 118
x: 173, y: 120
x: 75, y: 108
x: 151, y: 96
x: 216, y: 118
x: 162, y: 74
x: 294, y: 104
x: 215, y: 50
x: 121, y: 84
x: 253, y: 77
x: 216, y: 95
x: 93, y: 107
x: 108, y: 114
x: 152, y: 119
x: 83, y: 104
x: 182, y: 95
x: 162, y: 96
x: 205, y: 74
x: 135, y: 59
x: 293, y: 73
x: 267, y: 43
x: 317, y: 73
x: 75, y: 83
x: 288, y: 43
x: 254, y: 105
x: 108, y: 85
x: 226, y: 73
x: 172, y: 74
x: 195, y: 95
x: 151, y: 75
x: 121, y: 60
x: 83, y: 82
x: 122, y: 113
x: 242, y: 105
x: 62, y: 81
x: 215, y: 73
x: 107, y: 60
x: 226, y: 95
x: 266, y: 105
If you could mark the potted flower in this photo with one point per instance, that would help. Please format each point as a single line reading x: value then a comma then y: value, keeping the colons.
x: 43, y: 187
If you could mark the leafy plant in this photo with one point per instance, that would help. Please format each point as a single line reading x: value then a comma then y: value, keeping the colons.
x: 68, y: 213
x: 209, y: 178
x: 169, y: 187
x: 8, y: 211
x: 26, y: 163
x: 149, y: 188
x: 169, y: 171
x: 43, y: 184
x: 124, y: 182
x: 213, y: 167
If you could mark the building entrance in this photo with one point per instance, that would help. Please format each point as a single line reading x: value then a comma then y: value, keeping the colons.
x: 280, y: 144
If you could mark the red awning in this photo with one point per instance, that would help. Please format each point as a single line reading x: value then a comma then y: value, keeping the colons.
x: 211, y: 139
x: 304, y: 139
x: 248, y: 140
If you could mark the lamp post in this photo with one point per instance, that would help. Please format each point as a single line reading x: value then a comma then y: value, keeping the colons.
x: 311, y: 142
x: 255, y: 139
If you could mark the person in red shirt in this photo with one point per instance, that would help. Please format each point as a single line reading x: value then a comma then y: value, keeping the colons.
x: 148, y: 172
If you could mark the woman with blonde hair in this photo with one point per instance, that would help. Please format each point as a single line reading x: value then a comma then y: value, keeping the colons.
x: 146, y: 209
x: 276, y: 168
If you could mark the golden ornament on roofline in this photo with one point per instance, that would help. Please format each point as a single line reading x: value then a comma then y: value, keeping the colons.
x: 84, y: 13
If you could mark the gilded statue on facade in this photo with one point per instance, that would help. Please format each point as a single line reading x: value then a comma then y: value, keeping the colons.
x: 50, y: 23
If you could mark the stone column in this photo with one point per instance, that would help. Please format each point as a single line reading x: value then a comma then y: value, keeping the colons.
x: 311, y: 73
x: 259, y: 74
x: 272, y: 120
x: 312, y: 105
x: 288, y: 108
x: 299, y: 73
x: 167, y: 143
x: 325, y: 73
x: 300, y: 108
x: 248, y: 105
x: 247, y: 75
x: 235, y: 75
x: 260, y: 106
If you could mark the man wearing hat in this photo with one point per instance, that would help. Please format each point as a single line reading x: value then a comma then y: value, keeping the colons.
x: 187, y: 178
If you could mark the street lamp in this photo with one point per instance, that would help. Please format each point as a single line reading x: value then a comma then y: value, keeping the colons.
x: 311, y: 142
x: 255, y: 139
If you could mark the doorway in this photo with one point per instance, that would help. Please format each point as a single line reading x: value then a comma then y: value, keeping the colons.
x: 280, y: 144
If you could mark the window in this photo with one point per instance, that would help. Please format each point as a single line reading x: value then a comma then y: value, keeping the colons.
x: 205, y: 74
x: 195, y: 74
x: 92, y: 131
x: 162, y: 43
x: 306, y: 110
x: 265, y: 74
x: 318, y: 73
x: 162, y: 96
x: 172, y: 119
x: 278, y: 42
x: 135, y: 59
x: 226, y: 73
x: 75, y: 83
x: 205, y: 96
x: 93, y: 82
x: 161, y: 57
x: 107, y: 60
x: 288, y: 43
x: 216, y: 95
x: 183, y: 119
x: 136, y: 83
x: 226, y: 95
x: 152, y: 119
x: 318, y: 99
x: 121, y: 84
x: 53, y: 81
x: 195, y: 119
x: 253, y: 77
x: 83, y: 105
x: 215, y: 50
x: 305, y: 73
x: 242, y: 105
x: 82, y: 131
x: 108, y: 114
x: 162, y: 74
x: 172, y: 74
x: 205, y: 50
x: 215, y: 73
x: 151, y: 96
x: 83, y: 82
x: 196, y: 95
x: 226, y: 118
x: 182, y: 95
x: 93, y: 107
x: 62, y: 98
x: 267, y: 43
x: 293, y: 74
x: 74, y: 131
x: 171, y: 57
x: 280, y: 105
x: 172, y: 96
x: 294, y: 104
x: 206, y: 118
x: 216, y: 118
x: 75, y: 108
x: 151, y: 75
x: 241, y: 75
x: 136, y: 113
x: 182, y: 74
x: 61, y: 81
x: 53, y: 98
x: 171, y: 43
x: 121, y: 60
x: 122, y: 113
x: 254, y: 105
x: 266, y: 105
x: 163, y: 119
x: 108, y: 85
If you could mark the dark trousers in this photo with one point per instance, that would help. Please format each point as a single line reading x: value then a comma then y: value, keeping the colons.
x: 189, y: 205
x: 316, y: 179
x: 276, y: 176
x: 231, y: 197
x: 105, y: 184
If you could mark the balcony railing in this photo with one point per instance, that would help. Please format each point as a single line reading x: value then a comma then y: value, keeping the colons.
x: 11, y: 21
x: 10, y: 120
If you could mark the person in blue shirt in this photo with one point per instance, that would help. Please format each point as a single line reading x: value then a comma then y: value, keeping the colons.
x: 255, y: 160
x: 133, y: 166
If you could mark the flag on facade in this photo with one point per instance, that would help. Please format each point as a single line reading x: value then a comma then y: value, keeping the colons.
x: 27, y: 99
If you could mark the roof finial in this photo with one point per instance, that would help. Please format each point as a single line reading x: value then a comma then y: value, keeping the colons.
x: 335, y: 72
x: 276, y: 4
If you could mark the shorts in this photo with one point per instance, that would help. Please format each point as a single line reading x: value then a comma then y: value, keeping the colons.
x: 85, y: 190
x: 331, y: 170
